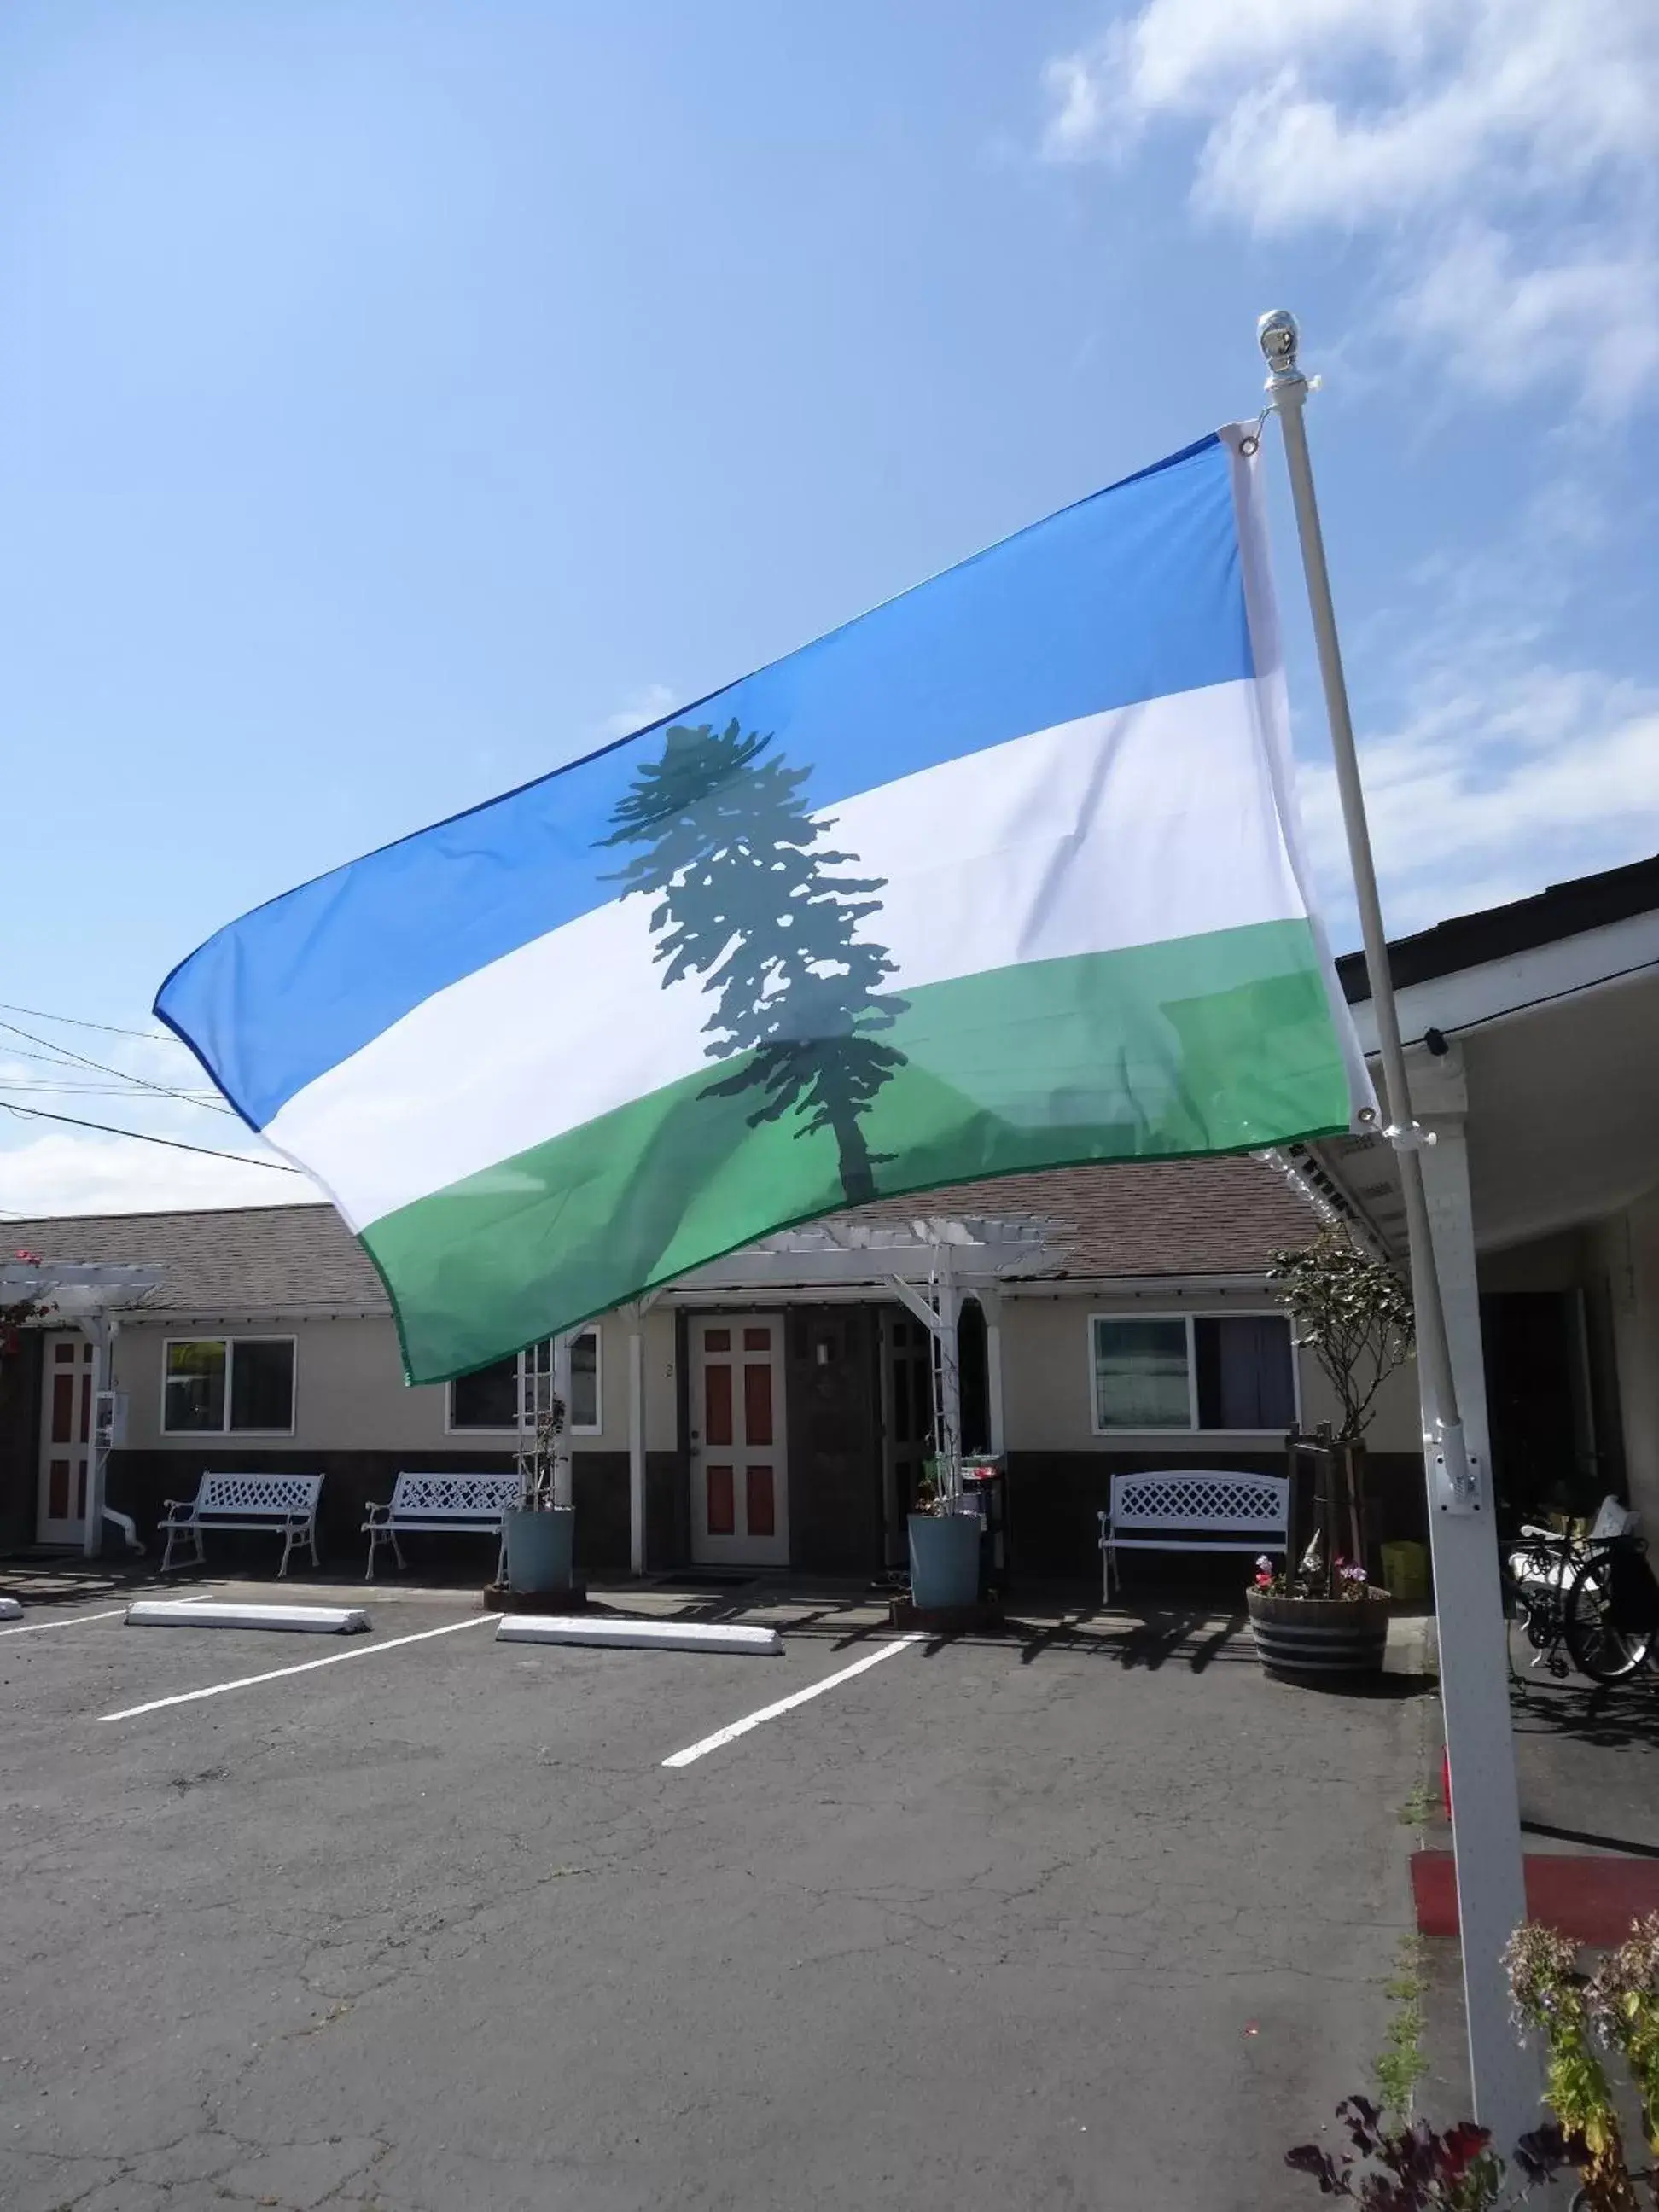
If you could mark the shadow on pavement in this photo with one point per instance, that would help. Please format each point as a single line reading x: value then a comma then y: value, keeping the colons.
x: 1620, y: 1716
x: 42, y: 1588
x: 1590, y: 1841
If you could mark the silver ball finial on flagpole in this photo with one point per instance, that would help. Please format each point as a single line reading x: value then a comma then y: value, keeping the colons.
x: 1280, y: 338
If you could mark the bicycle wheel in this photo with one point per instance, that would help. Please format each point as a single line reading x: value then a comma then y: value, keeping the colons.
x: 1599, y: 1649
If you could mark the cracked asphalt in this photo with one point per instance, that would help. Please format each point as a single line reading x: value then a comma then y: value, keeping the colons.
x: 1100, y: 1919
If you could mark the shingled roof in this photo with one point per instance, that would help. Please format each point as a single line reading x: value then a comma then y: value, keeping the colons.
x: 1139, y: 1217
x: 229, y: 1260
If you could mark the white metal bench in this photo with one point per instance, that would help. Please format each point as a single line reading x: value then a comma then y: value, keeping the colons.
x: 285, y: 1505
x: 1194, y: 1510
x: 470, y: 1504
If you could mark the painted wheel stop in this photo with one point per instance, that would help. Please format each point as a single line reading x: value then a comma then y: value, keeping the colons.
x: 607, y: 1629
x: 312, y: 1619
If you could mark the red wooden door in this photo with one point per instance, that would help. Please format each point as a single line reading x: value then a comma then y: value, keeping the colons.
x: 739, y: 1474
x: 65, y: 1437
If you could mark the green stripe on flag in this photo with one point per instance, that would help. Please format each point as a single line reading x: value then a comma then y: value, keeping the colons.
x: 1217, y: 1044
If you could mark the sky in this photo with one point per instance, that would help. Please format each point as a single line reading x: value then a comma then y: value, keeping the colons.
x: 400, y: 396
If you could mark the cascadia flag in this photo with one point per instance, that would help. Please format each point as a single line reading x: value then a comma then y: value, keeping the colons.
x: 1003, y: 875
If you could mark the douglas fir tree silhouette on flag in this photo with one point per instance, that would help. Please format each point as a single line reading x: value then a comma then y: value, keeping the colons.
x: 748, y: 900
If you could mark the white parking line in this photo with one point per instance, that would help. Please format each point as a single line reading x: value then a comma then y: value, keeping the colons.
x: 787, y: 1704
x: 305, y: 1667
x: 34, y: 1627
x: 81, y: 1620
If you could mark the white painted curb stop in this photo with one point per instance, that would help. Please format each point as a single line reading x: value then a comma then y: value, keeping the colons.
x: 11, y: 1609
x: 639, y: 1635
x: 319, y: 1620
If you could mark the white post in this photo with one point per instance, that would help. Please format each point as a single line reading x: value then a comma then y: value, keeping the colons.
x: 1472, y: 1630
x: 948, y: 1443
x: 636, y: 1440
x: 563, y: 1484
x: 990, y: 1304
x: 92, y: 1540
x: 1473, y: 1668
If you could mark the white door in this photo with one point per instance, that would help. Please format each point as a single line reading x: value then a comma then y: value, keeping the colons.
x: 740, y: 1479
x: 65, y: 1437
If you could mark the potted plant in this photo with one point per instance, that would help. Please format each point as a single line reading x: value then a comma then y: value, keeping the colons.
x: 540, y: 1531
x: 1325, y: 1617
x: 944, y: 1545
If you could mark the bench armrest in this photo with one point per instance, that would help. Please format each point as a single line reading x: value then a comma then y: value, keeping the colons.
x: 377, y: 1513
x: 171, y: 1507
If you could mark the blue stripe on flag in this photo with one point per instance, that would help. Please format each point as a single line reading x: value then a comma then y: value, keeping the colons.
x: 1133, y: 593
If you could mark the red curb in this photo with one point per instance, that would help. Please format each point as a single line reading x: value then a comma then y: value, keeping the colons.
x: 1592, y: 1900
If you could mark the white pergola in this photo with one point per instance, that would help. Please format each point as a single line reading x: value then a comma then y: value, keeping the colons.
x: 91, y: 1296
x: 927, y: 1264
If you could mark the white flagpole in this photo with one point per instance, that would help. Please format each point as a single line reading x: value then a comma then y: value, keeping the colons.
x: 1473, y: 1632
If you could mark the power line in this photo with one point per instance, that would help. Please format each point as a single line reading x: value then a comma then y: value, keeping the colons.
x: 52, y: 1058
x: 75, y: 1022
x: 85, y: 1090
x: 201, y: 1096
x: 173, y: 1143
x: 161, y: 1089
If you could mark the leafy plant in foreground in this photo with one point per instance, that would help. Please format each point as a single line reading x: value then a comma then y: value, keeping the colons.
x: 1414, y: 2167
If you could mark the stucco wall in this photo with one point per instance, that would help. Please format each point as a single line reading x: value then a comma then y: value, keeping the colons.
x: 349, y: 1391
x: 1047, y: 1392
x: 349, y: 1395
x: 661, y: 1380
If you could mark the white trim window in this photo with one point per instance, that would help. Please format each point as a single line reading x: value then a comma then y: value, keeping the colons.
x: 1193, y: 1374
x: 486, y: 1401
x: 222, y: 1386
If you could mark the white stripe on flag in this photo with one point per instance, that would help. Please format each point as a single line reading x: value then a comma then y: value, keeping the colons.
x: 1150, y: 823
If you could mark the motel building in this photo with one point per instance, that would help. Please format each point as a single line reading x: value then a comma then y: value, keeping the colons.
x: 769, y: 1413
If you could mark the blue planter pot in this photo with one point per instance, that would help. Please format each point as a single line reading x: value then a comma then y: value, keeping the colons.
x: 943, y: 1561
x: 539, y: 1549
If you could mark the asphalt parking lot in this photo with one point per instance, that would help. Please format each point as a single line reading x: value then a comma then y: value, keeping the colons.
x: 1098, y: 1917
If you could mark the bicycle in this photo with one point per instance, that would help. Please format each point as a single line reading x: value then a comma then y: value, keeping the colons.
x: 1611, y: 1615
x: 1538, y: 1574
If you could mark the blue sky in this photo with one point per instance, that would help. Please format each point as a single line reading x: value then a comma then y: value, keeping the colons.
x: 398, y: 398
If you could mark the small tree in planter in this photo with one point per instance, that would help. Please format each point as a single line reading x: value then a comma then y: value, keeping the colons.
x: 540, y: 1530
x: 1354, y: 1312
x: 945, y: 1544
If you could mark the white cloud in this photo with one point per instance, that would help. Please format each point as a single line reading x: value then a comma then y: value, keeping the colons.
x: 71, y: 1172
x: 1594, y: 319
x: 1488, y: 788
x: 1503, y: 151
x: 52, y: 1167
x: 639, y: 709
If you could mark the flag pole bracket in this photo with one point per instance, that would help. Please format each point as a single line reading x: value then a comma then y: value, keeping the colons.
x: 1410, y: 1136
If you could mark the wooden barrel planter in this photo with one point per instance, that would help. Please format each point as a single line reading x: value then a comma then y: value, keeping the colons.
x: 1320, y: 1638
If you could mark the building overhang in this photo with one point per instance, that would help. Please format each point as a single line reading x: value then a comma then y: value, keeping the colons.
x: 1548, y: 1058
